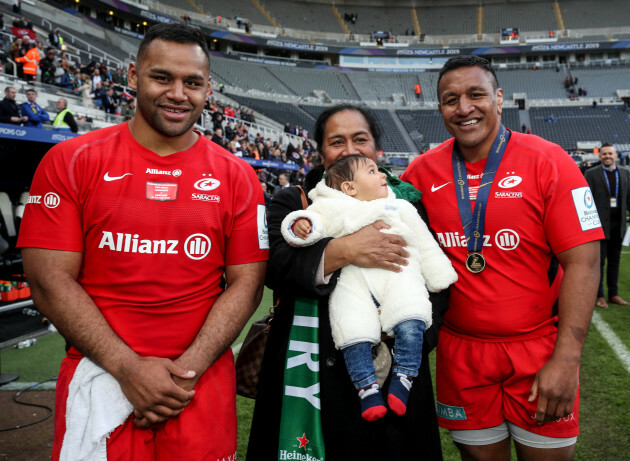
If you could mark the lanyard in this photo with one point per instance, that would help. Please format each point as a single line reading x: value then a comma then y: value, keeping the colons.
x: 473, y: 223
x: 617, y: 182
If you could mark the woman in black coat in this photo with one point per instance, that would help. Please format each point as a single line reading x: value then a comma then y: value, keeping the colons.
x: 301, y: 272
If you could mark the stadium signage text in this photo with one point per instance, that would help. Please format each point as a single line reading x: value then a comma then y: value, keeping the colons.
x: 431, y: 52
x: 566, y: 47
x: 156, y: 17
x: 34, y: 134
x: 268, y: 61
x: 297, y: 45
x: 13, y: 132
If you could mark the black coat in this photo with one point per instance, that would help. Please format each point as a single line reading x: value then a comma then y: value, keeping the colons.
x: 601, y: 195
x: 8, y: 109
x: 291, y: 272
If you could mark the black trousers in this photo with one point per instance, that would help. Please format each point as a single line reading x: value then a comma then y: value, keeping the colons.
x: 611, y: 251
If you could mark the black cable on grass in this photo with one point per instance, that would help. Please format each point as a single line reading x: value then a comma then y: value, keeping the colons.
x: 15, y: 399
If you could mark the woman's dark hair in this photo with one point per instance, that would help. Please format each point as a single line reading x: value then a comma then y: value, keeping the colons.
x: 173, y: 32
x: 320, y: 124
x: 343, y: 170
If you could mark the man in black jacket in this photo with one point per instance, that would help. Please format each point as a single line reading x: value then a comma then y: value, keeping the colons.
x: 47, y: 66
x: 217, y: 137
x: 610, y: 185
x: 9, y: 110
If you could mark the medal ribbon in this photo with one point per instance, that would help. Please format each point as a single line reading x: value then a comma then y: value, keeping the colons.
x: 301, y: 435
x: 473, y: 223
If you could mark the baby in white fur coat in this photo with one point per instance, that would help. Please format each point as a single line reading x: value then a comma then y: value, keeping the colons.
x: 367, y: 301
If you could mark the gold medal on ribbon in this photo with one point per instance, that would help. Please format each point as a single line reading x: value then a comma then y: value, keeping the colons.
x: 475, y: 262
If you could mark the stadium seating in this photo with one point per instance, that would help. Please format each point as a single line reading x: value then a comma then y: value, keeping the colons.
x: 585, y: 14
x: 379, y: 86
x: 510, y: 118
x: 602, y: 82
x: 424, y: 126
x: 392, y: 139
x: 395, y: 20
x: 281, y: 112
x: 304, y: 16
x: 447, y: 20
x: 303, y: 81
x: 246, y: 76
x: 537, y: 84
x: 566, y: 125
x: 234, y: 8
x: 526, y: 16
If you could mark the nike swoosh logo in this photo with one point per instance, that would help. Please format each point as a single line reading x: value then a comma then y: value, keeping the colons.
x: 107, y: 177
x: 434, y: 189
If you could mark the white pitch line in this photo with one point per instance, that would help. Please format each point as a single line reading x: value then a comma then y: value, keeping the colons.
x: 20, y: 386
x: 613, y: 340
x: 237, y: 348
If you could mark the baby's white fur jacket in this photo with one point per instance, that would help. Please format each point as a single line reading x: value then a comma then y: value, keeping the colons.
x: 401, y: 295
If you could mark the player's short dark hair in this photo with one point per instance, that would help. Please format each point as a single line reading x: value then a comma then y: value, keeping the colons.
x: 320, y: 124
x: 606, y: 144
x: 343, y: 170
x: 173, y: 32
x: 467, y: 61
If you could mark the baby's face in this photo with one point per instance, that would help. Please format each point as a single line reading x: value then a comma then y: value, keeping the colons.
x: 369, y: 183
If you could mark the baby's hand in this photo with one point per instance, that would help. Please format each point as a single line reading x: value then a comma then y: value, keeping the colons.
x: 302, y: 228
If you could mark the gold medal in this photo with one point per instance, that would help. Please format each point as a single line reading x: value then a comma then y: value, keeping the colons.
x: 475, y: 262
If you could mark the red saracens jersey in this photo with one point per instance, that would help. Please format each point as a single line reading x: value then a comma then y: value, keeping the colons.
x: 539, y: 205
x: 156, y: 232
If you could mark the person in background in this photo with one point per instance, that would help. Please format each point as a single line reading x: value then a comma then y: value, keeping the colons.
x: 15, y: 52
x: 30, y: 62
x: 64, y: 120
x: 283, y: 183
x: 128, y: 109
x: 610, y: 185
x: 35, y: 114
x: 9, y: 110
x: 217, y: 137
x: 53, y: 38
x: 266, y: 193
x: 47, y: 67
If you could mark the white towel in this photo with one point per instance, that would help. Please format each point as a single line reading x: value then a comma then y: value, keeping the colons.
x: 95, y: 407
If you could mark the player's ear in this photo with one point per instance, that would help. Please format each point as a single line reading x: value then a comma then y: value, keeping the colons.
x: 347, y: 187
x: 499, y: 94
x: 132, y: 76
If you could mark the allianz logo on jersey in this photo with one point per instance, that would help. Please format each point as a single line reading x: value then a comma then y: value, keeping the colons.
x: 174, y: 173
x: 505, y: 239
x: 196, y: 246
x: 50, y: 200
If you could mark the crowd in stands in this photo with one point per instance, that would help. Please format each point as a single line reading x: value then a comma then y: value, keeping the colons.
x: 296, y: 130
x: 573, y: 91
x: 97, y: 85
x: 228, y: 127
